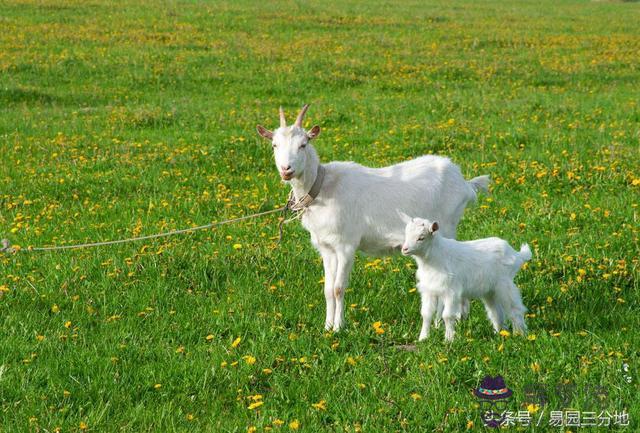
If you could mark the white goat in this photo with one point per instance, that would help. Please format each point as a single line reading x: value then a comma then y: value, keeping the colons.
x: 450, y: 271
x: 354, y: 208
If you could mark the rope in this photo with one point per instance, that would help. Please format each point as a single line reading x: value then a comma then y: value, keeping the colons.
x: 6, y: 246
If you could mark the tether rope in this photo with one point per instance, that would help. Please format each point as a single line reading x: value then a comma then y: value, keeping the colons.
x: 6, y: 246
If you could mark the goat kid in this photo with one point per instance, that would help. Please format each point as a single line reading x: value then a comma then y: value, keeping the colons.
x: 450, y: 271
x: 355, y: 207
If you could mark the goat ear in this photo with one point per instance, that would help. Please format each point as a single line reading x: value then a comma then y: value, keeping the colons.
x: 313, y: 132
x: 403, y: 216
x: 264, y: 132
x: 434, y: 227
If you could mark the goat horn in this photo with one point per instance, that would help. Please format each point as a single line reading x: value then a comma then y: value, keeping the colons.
x: 283, y: 122
x: 301, y: 115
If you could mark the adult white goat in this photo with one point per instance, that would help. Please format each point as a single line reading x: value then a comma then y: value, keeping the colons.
x: 349, y: 207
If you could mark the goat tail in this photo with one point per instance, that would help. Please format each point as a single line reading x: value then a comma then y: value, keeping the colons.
x: 480, y: 183
x: 525, y: 253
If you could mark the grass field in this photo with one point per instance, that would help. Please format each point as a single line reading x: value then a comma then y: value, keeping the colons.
x: 136, y: 118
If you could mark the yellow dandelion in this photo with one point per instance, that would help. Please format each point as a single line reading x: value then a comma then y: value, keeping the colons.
x: 249, y: 359
x: 157, y: 386
x: 83, y: 425
x: 294, y: 425
x: 533, y: 408
x: 55, y: 309
x: 237, y: 246
x: 209, y: 337
x: 505, y: 333
x: 255, y: 404
x: 236, y: 342
x: 377, y: 326
x: 321, y: 405
x: 415, y: 396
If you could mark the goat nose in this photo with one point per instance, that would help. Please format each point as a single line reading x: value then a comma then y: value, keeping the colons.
x: 287, y: 168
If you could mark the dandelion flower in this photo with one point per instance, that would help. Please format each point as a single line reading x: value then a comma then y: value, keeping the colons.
x: 294, y: 425
x: 533, y: 408
x: 377, y: 326
x: 321, y: 405
x: 255, y: 404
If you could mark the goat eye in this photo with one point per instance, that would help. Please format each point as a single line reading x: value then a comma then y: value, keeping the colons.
x: 302, y: 146
x: 274, y: 145
x: 421, y: 238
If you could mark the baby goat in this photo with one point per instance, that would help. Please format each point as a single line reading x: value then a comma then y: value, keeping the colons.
x: 450, y: 271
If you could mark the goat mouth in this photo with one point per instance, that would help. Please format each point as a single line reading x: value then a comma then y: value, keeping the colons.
x: 286, y: 176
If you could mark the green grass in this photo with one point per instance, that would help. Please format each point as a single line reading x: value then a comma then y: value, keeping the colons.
x: 139, y: 118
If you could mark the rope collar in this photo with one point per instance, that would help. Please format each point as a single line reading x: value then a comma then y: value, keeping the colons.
x: 308, y: 198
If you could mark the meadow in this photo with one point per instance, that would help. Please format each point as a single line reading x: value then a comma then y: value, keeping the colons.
x: 131, y: 118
